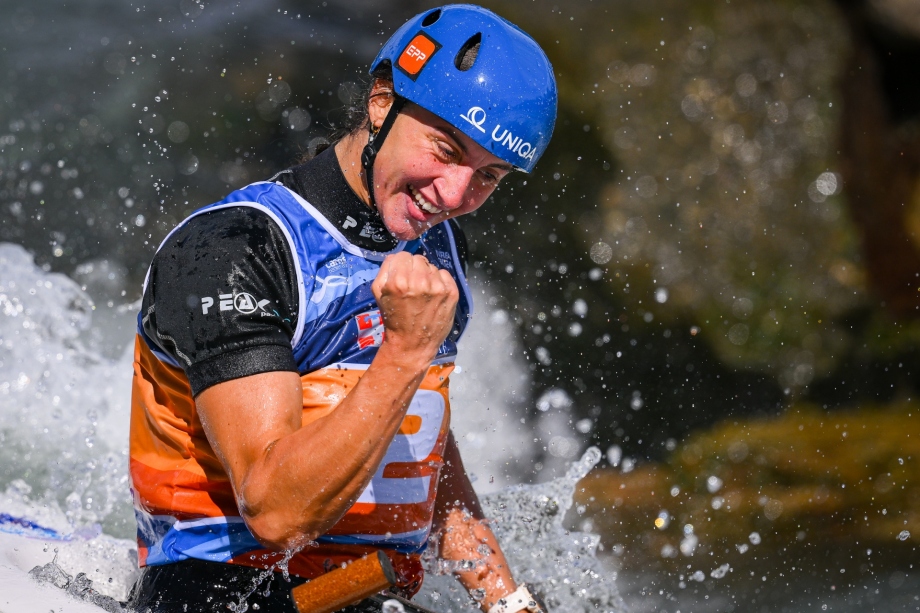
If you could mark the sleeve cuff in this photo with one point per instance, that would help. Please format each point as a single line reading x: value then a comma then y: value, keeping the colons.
x: 237, y: 364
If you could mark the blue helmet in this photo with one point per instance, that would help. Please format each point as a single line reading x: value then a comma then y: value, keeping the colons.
x: 482, y: 74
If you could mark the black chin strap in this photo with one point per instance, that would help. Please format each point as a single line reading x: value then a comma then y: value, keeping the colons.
x: 375, y: 142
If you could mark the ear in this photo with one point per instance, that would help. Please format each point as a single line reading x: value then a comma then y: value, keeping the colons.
x: 379, y: 102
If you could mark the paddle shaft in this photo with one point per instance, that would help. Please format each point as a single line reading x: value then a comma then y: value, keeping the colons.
x: 345, y: 586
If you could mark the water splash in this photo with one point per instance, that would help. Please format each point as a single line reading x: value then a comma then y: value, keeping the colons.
x: 80, y: 587
x: 63, y: 464
x: 41, y: 537
x: 242, y: 604
x: 529, y: 523
x: 64, y: 412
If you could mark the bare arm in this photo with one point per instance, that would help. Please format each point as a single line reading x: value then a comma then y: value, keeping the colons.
x: 465, y: 533
x: 292, y: 483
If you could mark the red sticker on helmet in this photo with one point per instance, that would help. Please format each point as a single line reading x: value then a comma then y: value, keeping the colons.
x: 416, y: 55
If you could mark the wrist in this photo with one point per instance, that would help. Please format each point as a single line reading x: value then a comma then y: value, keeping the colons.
x: 408, y: 360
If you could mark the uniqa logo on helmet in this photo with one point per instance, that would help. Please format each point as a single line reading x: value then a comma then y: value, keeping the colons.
x: 476, y: 117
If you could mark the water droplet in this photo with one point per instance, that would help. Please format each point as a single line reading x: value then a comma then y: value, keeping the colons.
x: 601, y: 253
x: 614, y: 455
x: 636, y: 403
x: 713, y: 484
x: 720, y: 572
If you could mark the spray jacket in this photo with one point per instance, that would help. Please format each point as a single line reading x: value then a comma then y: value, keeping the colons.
x: 277, y: 277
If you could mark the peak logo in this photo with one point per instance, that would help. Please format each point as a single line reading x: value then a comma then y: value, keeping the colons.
x: 476, y: 117
x: 243, y: 302
x: 375, y: 233
x: 246, y: 303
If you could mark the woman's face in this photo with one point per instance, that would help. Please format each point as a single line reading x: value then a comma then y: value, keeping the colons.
x: 427, y: 171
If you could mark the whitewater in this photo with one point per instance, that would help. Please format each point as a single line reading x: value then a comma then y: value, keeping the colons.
x: 65, y: 506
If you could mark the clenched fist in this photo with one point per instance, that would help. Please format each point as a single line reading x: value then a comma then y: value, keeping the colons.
x: 417, y: 302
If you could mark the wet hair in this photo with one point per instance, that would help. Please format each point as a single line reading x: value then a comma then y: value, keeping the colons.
x: 356, y: 113
x: 355, y: 117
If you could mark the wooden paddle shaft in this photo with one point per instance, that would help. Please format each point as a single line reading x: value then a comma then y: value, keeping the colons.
x: 345, y: 586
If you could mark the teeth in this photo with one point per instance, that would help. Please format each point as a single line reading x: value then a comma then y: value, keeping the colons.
x: 424, y: 204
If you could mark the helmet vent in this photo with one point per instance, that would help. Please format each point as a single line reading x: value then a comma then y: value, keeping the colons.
x: 466, y: 57
x: 431, y: 17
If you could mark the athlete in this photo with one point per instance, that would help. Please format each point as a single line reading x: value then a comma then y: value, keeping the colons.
x: 290, y: 407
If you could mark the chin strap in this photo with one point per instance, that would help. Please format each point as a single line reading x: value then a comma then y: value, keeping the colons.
x: 375, y: 142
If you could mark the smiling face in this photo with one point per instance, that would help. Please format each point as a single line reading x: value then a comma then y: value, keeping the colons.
x: 427, y: 171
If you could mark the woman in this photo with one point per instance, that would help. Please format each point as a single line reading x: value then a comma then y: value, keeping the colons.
x: 290, y: 408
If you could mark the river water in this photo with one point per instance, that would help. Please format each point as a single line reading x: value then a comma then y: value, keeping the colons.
x: 64, y: 403
x: 100, y: 144
x: 65, y: 370
x: 101, y: 147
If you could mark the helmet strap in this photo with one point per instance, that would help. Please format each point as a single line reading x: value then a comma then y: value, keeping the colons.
x: 375, y: 142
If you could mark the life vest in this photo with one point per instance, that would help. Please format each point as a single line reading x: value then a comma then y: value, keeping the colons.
x: 184, y: 503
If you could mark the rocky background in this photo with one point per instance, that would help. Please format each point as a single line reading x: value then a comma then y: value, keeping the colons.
x: 719, y: 252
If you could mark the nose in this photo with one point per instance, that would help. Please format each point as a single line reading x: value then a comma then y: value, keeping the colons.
x: 453, y: 185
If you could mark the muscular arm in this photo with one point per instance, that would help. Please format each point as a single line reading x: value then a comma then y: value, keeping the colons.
x: 465, y: 533
x: 293, y: 483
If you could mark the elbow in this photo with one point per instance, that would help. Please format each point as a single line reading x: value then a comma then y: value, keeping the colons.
x: 278, y: 531
x: 270, y: 520
x: 280, y: 527
x: 282, y: 518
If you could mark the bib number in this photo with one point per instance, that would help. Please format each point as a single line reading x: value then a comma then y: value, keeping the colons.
x: 416, y: 440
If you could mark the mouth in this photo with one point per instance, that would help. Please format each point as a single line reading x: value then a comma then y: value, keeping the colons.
x: 423, y: 204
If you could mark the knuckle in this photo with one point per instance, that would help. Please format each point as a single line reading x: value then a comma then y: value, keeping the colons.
x: 403, y: 284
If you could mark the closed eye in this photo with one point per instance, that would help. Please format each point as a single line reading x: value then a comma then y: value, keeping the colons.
x: 489, y: 178
x: 448, y: 152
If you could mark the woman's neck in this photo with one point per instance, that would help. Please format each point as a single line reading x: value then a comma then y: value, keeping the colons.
x: 348, y: 152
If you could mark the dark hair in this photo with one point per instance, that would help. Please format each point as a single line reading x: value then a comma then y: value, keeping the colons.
x: 356, y: 114
x: 355, y: 117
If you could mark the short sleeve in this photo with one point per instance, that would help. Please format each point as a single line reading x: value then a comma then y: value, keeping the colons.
x: 222, y: 297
